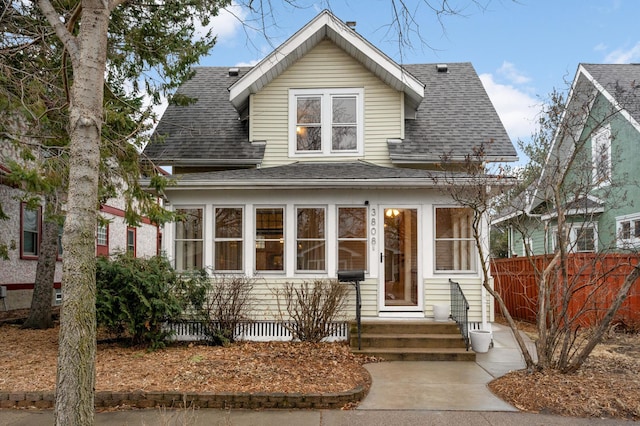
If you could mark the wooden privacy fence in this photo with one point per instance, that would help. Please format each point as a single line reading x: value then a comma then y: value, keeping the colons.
x: 592, y: 284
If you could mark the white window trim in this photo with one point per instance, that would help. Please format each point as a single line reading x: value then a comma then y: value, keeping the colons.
x: 325, y: 95
x: 325, y: 239
x: 627, y: 243
x: 204, y: 233
x: 574, y: 228
x: 242, y: 239
x: 475, y: 254
x: 255, y: 240
x: 604, y: 133
x: 365, y: 239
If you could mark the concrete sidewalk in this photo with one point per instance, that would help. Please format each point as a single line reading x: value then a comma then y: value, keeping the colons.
x: 212, y: 417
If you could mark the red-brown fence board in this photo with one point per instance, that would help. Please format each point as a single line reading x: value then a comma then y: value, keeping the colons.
x: 593, y: 280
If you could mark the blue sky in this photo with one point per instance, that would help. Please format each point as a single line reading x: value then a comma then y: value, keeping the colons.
x: 521, y: 49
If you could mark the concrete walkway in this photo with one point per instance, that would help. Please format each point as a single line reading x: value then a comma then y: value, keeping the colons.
x: 448, y: 386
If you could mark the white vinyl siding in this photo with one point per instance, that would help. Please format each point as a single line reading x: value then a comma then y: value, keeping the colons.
x: 326, y: 66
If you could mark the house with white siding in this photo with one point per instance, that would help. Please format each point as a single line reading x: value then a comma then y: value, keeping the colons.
x: 329, y: 156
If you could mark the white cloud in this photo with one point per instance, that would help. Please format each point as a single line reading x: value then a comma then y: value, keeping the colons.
x: 247, y: 64
x: 620, y: 56
x: 517, y: 109
x: 509, y: 71
x: 226, y: 24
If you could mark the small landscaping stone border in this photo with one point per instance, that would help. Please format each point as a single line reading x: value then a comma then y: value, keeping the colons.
x: 226, y: 400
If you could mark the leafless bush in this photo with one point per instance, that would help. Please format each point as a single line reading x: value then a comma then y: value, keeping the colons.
x: 228, y: 303
x: 312, y: 308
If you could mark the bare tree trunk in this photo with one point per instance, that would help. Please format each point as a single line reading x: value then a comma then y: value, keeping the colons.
x: 75, y: 383
x: 40, y: 316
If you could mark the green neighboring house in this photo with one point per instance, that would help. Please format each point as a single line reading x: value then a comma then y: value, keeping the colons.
x: 597, y: 149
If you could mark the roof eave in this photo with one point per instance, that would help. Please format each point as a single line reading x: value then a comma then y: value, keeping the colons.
x: 247, y: 184
x: 204, y: 162
x: 418, y: 159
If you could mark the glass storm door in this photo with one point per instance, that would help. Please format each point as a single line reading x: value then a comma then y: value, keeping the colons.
x: 400, y: 260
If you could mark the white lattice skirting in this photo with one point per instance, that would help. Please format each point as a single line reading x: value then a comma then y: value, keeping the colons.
x: 256, y: 331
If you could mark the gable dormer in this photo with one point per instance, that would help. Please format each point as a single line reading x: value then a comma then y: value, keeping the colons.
x: 327, y: 27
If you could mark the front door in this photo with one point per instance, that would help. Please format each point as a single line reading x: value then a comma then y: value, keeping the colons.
x: 399, y: 283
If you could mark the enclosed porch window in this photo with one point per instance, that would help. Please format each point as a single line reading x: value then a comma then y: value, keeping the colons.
x: 188, y: 240
x: 228, y: 239
x: 455, y: 248
x: 270, y: 239
x: 352, y: 238
x: 311, y: 239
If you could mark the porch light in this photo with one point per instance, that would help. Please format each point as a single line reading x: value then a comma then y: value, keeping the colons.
x: 392, y: 212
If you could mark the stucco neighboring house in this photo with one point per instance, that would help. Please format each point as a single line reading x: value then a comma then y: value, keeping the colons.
x: 327, y: 156
x: 21, y: 233
x: 597, y: 145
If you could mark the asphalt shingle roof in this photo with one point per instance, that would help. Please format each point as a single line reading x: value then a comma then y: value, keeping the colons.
x: 308, y: 174
x: 621, y: 81
x: 455, y: 117
x: 208, y: 129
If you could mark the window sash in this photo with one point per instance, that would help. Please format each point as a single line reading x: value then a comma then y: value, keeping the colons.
x: 353, y: 240
x: 455, y: 248
x: 311, y: 239
x: 101, y: 235
x: 31, y: 220
x: 189, y: 243
x: 131, y: 240
x: 326, y: 121
x: 601, y: 155
x: 269, y: 239
x: 228, y: 239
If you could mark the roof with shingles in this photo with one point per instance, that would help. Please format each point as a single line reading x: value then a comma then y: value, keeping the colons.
x: 329, y: 174
x: 208, y: 131
x: 621, y: 81
x: 455, y: 119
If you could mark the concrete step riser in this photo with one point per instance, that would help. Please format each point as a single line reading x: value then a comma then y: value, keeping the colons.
x: 467, y: 356
x: 398, y: 342
x: 433, y: 328
x: 411, y: 341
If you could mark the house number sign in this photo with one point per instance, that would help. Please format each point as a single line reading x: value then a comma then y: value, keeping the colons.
x: 373, y: 230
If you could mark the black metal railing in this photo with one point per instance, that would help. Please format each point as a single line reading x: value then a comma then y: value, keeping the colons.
x: 460, y: 310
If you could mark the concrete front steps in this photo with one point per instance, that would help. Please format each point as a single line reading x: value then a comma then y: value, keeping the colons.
x: 410, y: 340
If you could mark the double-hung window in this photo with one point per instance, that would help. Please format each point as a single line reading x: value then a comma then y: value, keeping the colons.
x: 455, y: 246
x: 188, y: 239
x: 352, y: 238
x: 269, y: 239
x: 628, y: 231
x: 131, y: 240
x: 102, y: 239
x: 228, y: 239
x: 582, y: 237
x: 326, y: 122
x: 31, y: 224
x: 601, y: 155
x: 310, y: 239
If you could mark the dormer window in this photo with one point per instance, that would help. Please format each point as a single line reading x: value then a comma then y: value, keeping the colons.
x: 601, y: 156
x: 326, y: 122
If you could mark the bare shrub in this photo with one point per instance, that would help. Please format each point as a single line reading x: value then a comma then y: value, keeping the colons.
x: 229, y: 302
x: 312, y: 308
